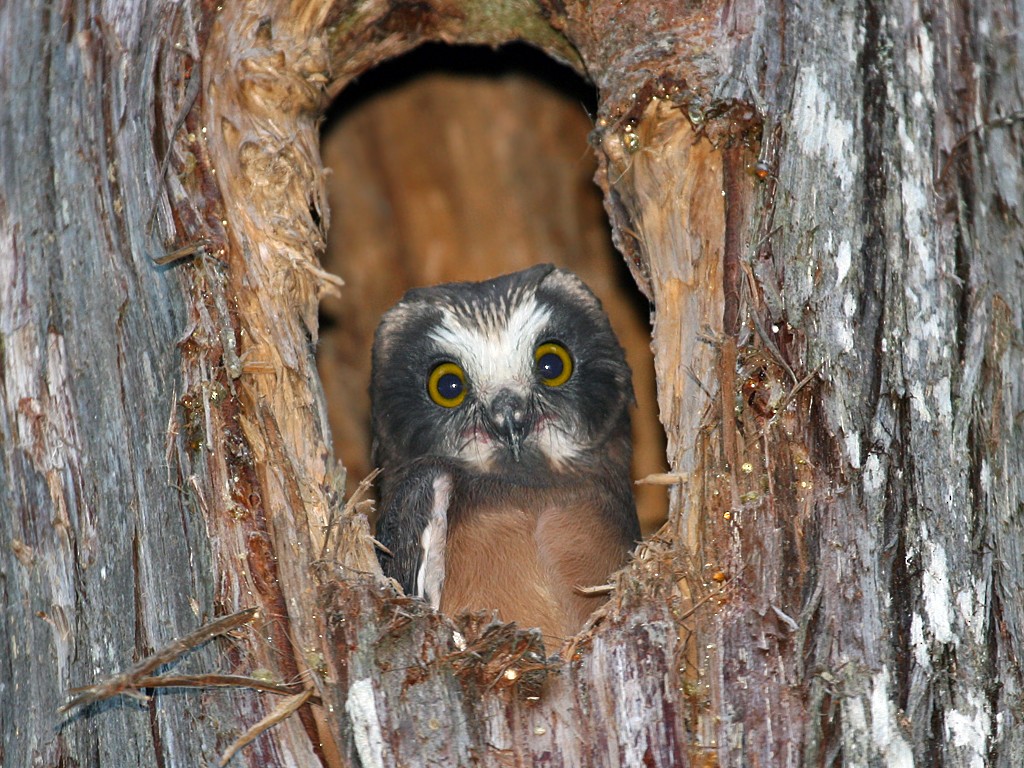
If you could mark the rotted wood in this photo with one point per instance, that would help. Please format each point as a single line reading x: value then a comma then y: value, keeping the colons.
x: 413, y: 690
x: 383, y: 721
x: 810, y: 485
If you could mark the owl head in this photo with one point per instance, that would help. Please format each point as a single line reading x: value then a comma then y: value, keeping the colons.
x: 519, y: 373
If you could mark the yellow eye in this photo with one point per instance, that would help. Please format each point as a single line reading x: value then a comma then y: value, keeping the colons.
x: 447, y: 385
x: 554, y: 365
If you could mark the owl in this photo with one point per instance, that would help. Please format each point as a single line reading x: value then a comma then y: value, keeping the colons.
x: 501, y: 424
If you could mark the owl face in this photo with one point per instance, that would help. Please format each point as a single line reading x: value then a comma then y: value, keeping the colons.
x: 517, y: 373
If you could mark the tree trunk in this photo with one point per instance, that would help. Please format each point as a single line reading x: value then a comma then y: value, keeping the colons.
x: 822, y: 204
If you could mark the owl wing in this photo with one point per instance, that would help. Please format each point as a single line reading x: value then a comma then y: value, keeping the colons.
x: 413, y: 525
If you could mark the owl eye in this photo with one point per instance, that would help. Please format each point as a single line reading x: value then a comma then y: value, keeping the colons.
x: 554, y: 365
x: 447, y: 385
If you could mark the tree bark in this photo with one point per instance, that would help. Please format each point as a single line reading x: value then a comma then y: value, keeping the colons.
x: 106, y: 554
x: 823, y: 205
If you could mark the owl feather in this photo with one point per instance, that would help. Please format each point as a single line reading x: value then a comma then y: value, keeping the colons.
x: 500, y: 416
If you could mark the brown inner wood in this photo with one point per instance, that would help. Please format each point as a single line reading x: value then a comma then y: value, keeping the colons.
x: 461, y: 164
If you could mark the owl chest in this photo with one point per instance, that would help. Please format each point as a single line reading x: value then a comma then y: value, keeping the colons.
x: 529, y: 563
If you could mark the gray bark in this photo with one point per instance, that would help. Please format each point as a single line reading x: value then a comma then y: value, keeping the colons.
x: 103, y: 557
x: 900, y: 264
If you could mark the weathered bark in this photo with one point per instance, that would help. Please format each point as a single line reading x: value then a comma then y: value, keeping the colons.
x: 838, y: 343
x: 887, y: 266
x: 105, y: 555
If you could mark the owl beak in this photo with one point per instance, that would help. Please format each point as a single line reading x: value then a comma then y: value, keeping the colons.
x: 508, y: 419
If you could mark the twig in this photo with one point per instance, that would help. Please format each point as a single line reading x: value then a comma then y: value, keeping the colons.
x: 1000, y: 122
x: 221, y: 681
x: 192, y: 249
x: 786, y: 401
x: 357, y: 497
x: 131, y: 682
x: 772, y: 347
x: 661, y: 478
x: 599, y: 589
x: 281, y: 712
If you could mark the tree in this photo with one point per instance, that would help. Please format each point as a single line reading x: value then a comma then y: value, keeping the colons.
x: 822, y: 204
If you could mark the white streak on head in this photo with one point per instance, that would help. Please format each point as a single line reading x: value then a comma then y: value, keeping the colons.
x: 495, y: 344
x: 430, y: 576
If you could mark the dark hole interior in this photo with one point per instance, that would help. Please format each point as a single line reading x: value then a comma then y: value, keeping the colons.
x: 462, y: 163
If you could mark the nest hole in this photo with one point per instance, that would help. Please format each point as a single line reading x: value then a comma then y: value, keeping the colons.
x: 462, y: 163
